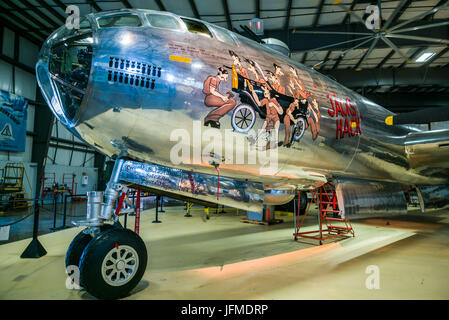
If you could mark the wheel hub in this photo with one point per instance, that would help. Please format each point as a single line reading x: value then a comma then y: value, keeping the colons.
x: 120, y: 265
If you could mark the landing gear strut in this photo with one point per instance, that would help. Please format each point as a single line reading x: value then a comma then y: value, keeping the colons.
x: 111, y: 260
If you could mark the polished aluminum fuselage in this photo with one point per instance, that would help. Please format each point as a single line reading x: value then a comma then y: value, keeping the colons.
x: 141, y: 122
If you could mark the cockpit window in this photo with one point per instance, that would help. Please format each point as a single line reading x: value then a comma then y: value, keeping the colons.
x: 69, y: 65
x: 163, y: 21
x: 122, y: 20
x: 223, y: 35
x: 84, y: 25
x: 197, y: 27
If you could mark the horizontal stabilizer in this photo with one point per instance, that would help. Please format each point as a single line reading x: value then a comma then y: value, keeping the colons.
x: 423, y: 116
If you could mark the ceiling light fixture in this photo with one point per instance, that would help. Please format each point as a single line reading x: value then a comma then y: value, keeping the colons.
x: 425, y: 56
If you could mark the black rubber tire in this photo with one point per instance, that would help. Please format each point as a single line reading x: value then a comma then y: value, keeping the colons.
x: 303, y: 203
x: 78, y: 244
x: 94, y: 254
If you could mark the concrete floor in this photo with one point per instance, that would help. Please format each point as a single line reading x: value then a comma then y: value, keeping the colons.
x: 221, y: 258
x: 75, y: 211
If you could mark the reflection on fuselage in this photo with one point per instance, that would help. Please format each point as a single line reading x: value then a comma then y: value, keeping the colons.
x: 126, y: 89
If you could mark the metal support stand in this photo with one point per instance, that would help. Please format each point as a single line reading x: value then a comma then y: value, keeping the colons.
x: 188, y: 207
x: 162, y: 201
x: 35, y: 248
x: 55, y: 204
x: 64, y: 213
x: 157, y: 210
x: 137, y: 210
x: 294, y: 210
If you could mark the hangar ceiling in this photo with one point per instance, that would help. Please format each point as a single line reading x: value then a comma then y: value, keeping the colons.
x: 328, y: 35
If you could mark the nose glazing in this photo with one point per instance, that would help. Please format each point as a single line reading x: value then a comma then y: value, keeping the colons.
x: 63, y: 70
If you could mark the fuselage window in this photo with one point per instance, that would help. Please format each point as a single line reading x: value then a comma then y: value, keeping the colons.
x: 123, y: 20
x: 163, y: 21
x: 223, y: 35
x: 197, y: 27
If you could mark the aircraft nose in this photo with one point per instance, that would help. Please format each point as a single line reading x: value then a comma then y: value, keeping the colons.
x: 63, y: 70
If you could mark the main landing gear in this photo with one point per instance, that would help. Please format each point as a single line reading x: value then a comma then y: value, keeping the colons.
x: 110, y: 259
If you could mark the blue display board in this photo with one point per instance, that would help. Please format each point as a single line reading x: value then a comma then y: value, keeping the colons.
x: 13, y: 122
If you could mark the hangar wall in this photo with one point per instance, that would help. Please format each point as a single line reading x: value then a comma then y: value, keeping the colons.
x: 67, y: 154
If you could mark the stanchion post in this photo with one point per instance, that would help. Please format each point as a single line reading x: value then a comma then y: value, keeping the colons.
x: 157, y: 209
x: 162, y: 201
x: 188, y: 206
x: 295, y: 215
x: 137, y: 208
x: 55, y: 200
x: 64, y: 213
x: 35, y: 248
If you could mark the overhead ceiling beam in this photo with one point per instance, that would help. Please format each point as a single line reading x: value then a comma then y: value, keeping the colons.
x: 194, y: 9
x: 27, y: 16
x: 413, y: 56
x: 228, y: 16
x: 318, y: 14
x: 325, y: 60
x: 18, y: 24
x: 39, y: 13
x: 126, y: 4
x: 340, y: 33
x: 60, y: 4
x: 430, y: 17
x: 304, y: 58
x: 55, y: 13
x: 366, y: 54
x: 337, y: 62
x: 289, y: 10
x: 94, y: 5
x: 419, y: 17
x: 400, y: 9
x: 348, y: 13
x: 258, y: 9
x: 160, y: 5
x: 392, y: 77
x: 385, y: 59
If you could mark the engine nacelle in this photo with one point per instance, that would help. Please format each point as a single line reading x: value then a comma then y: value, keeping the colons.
x: 361, y: 198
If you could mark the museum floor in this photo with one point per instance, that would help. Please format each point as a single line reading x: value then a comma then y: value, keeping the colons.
x: 221, y: 258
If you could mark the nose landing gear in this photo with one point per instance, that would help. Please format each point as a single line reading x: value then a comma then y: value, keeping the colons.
x: 113, y: 263
x: 110, y: 259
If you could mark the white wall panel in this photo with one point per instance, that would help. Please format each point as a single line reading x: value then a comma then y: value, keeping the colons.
x: 30, y: 117
x: 8, y: 43
x: 64, y: 133
x: 78, y: 158
x: 62, y: 156
x: 25, y: 84
x: 28, y: 52
x: 6, y: 76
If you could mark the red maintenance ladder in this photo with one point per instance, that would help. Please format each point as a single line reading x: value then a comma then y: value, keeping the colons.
x: 330, y: 222
x: 48, y: 184
x: 68, y: 182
